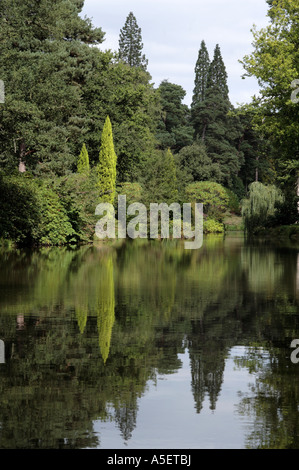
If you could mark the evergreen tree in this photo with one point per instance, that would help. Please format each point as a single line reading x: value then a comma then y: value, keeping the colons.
x: 130, y: 44
x: 216, y: 125
x: 127, y: 96
x: 83, y: 161
x: 174, y: 128
x: 44, y: 62
x: 202, y: 68
x: 196, y: 163
x: 106, y: 168
x: 200, y: 85
x: 217, y: 75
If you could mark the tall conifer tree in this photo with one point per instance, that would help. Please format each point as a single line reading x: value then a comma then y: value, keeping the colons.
x: 83, y: 161
x: 217, y: 75
x: 106, y: 168
x: 214, y: 125
x: 130, y: 44
x: 202, y: 68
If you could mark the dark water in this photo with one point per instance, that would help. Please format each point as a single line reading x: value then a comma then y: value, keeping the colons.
x: 149, y: 345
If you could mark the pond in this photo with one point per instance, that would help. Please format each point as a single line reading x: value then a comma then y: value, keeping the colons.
x: 148, y: 345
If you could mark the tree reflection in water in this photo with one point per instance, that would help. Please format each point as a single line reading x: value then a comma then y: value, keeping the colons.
x: 99, y: 324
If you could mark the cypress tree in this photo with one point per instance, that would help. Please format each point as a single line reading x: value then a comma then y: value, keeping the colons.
x: 106, y: 308
x: 130, y: 44
x: 106, y: 168
x: 83, y: 161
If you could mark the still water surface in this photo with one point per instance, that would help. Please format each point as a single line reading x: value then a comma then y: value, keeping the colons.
x: 148, y: 345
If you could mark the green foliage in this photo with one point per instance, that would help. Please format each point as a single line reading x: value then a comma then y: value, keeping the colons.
x: 126, y: 95
x: 212, y: 226
x: 214, y: 122
x: 261, y: 206
x: 83, y: 161
x: 130, y: 44
x: 233, y: 202
x: 44, y: 64
x: 31, y: 212
x: 202, y: 68
x: 160, y: 184
x: 132, y: 191
x: 217, y: 75
x: 174, y: 129
x: 79, y: 196
x: 274, y: 62
x: 213, y: 196
x: 197, y: 164
x: 54, y: 227
x: 106, y: 168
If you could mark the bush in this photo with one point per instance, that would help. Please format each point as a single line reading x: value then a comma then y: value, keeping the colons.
x: 18, y: 209
x: 31, y: 213
x: 53, y: 227
x: 213, y: 196
x: 79, y: 197
x: 212, y: 226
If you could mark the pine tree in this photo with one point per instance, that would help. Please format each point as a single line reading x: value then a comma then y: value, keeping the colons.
x: 130, y: 44
x: 106, y: 168
x: 44, y: 61
x: 83, y: 161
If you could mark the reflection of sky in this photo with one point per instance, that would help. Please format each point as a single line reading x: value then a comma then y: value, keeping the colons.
x: 167, y: 419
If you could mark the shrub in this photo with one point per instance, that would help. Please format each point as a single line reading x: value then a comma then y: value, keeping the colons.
x: 78, y: 195
x: 213, y: 196
x: 53, y: 227
x: 31, y: 212
x: 212, y: 226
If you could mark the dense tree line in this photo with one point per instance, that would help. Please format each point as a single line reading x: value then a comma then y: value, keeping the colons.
x: 61, y: 92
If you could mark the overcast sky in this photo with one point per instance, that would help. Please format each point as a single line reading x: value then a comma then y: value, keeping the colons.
x: 172, y: 31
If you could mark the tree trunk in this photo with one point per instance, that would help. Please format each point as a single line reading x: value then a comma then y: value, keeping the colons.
x: 22, y: 165
x: 257, y: 169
